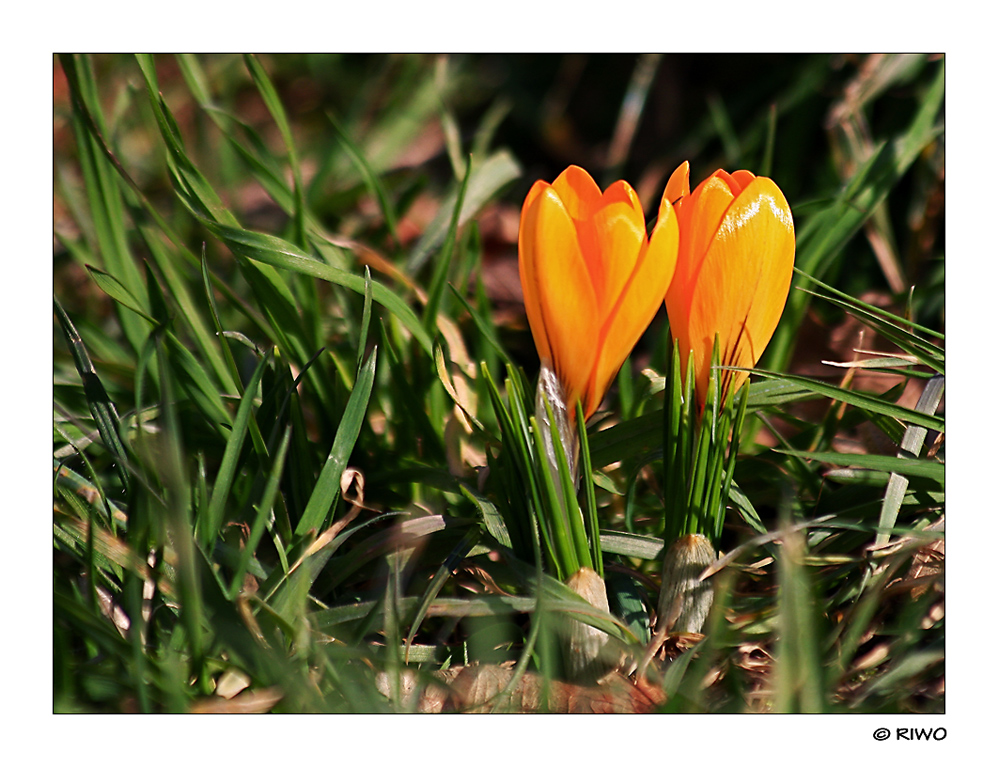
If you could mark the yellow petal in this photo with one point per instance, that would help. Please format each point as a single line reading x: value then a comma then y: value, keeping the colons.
x: 554, y: 274
x: 742, y: 284
x: 741, y: 180
x: 698, y: 216
x: 636, y: 304
x: 578, y: 192
x: 707, y: 206
x: 528, y: 274
x: 536, y: 189
x: 618, y: 230
x: 665, y: 241
x: 678, y: 185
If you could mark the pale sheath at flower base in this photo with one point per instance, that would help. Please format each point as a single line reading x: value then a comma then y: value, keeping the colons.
x: 733, y: 271
x: 592, y: 280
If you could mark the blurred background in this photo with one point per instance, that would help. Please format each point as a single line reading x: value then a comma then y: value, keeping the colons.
x: 805, y: 120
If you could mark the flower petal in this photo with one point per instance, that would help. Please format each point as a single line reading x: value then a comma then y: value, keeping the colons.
x: 741, y: 180
x: 742, y: 284
x: 527, y: 264
x: 678, y: 185
x: 618, y: 228
x: 636, y: 304
x: 578, y: 191
x: 698, y: 217
x: 557, y: 284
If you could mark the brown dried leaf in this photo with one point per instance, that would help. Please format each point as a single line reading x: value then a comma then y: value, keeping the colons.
x: 415, y: 691
x: 477, y: 689
x: 250, y: 702
x: 483, y: 577
x: 927, y: 565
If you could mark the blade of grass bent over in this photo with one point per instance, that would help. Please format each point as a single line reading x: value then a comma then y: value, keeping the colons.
x: 859, y: 399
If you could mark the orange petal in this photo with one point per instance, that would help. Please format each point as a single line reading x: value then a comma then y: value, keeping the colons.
x: 528, y: 274
x: 553, y: 271
x: 742, y: 179
x: 698, y: 216
x: 665, y: 238
x: 618, y: 238
x: 707, y: 205
x: 535, y: 190
x: 578, y: 192
x: 678, y: 185
x: 636, y: 305
x: 743, y: 282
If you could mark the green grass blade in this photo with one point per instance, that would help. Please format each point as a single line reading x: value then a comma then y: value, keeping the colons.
x: 103, y: 410
x: 593, y: 522
x: 491, y: 517
x: 567, y: 496
x: 553, y: 515
x: 799, y: 674
x: 114, y: 288
x: 928, y: 468
x: 368, y: 174
x: 439, y: 579
x: 262, y: 510
x: 443, y: 260
x: 176, y: 514
x: 828, y: 232
x: 103, y: 190
x: 193, y: 182
x: 327, y: 488
x: 275, y: 252
x: 774, y: 392
x: 926, y: 353
x: 208, y: 529
x: 746, y: 508
x: 362, y: 342
x: 484, y: 182
x: 861, y: 400
x: 223, y: 339
x: 768, y: 146
x: 631, y: 545
x: 740, y: 420
x: 483, y: 324
x: 852, y: 303
x: 274, y: 106
x: 198, y: 384
x: 189, y: 312
x: 627, y: 440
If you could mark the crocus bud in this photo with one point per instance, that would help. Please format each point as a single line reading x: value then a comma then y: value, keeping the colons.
x: 592, y: 280
x: 733, y: 271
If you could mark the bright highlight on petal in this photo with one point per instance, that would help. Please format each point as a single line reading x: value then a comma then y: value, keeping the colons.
x: 592, y: 280
x: 733, y: 273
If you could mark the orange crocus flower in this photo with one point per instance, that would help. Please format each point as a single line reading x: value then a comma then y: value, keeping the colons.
x: 592, y: 280
x: 733, y: 271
